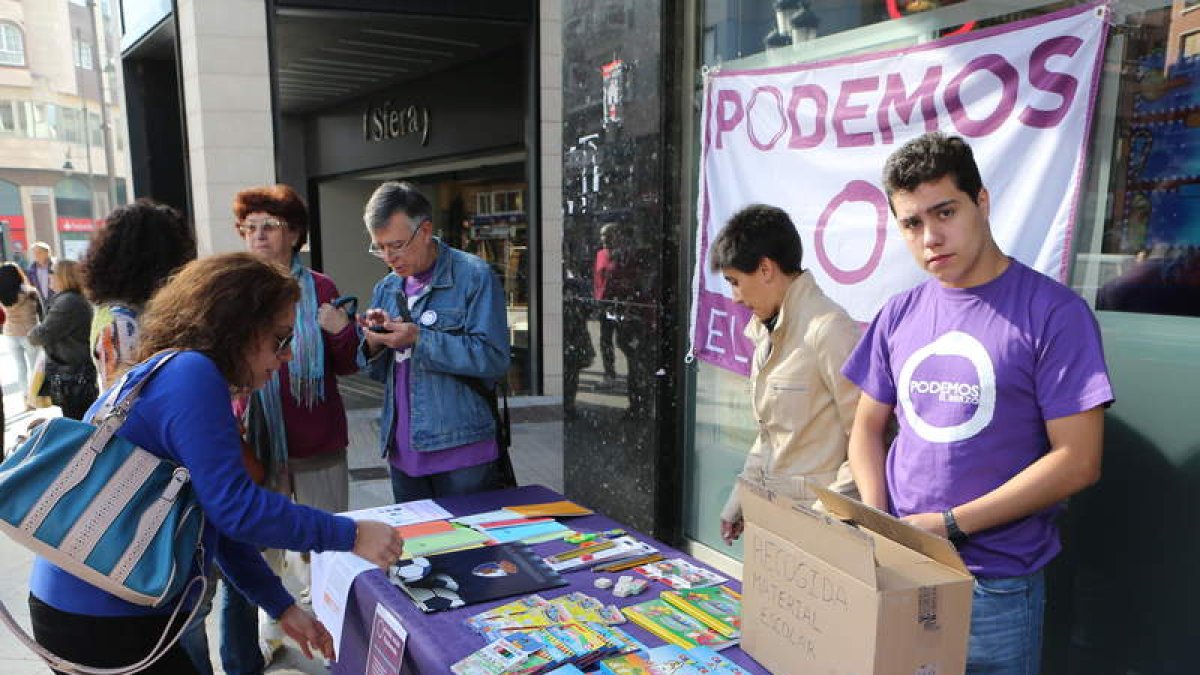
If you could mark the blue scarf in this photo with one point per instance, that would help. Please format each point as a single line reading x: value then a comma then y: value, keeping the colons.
x: 306, y: 371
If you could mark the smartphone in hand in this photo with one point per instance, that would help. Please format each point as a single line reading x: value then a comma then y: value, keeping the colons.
x: 375, y: 318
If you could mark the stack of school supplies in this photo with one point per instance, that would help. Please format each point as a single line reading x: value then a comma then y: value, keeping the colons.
x: 673, y: 660
x: 438, y: 536
x: 596, y: 551
x: 495, y: 658
x: 534, y: 611
x: 718, y: 607
x: 505, y: 526
x: 679, y: 573
x: 675, y: 626
x: 545, y: 649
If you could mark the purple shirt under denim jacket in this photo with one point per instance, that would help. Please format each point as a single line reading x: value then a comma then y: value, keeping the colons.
x: 463, y: 334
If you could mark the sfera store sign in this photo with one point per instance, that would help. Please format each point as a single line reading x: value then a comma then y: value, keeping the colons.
x: 388, y: 120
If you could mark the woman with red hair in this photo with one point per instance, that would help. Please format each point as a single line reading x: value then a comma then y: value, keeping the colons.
x: 300, y: 407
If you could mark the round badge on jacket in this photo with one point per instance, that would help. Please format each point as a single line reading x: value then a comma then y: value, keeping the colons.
x: 428, y: 317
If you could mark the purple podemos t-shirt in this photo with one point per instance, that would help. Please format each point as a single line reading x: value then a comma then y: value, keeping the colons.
x: 974, y: 374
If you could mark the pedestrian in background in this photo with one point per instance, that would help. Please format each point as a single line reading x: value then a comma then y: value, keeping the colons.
x: 23, y: 307
x: 40, y: 269
x: 140, y: 245
x: 232, y: 316
x: 64, y: 335
x: 602, y: 271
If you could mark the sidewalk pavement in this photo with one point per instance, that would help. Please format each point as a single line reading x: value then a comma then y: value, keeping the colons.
x: 537, y: 458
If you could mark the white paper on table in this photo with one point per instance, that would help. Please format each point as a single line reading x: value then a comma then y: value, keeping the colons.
x: 488, y: 517
x: 407, y: 513
x: 333, y: 572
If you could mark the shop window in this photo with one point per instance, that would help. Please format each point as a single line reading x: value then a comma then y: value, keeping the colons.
x: 1136, y: 246
x: 12, y: 45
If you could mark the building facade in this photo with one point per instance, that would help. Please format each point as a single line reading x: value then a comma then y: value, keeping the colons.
x: 63, y: 153
x: 560, y: 140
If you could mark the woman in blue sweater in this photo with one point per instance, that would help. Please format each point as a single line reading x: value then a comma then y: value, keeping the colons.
x: 232, y: 315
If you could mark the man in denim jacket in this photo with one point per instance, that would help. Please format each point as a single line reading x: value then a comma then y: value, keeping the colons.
x: 437, y: 321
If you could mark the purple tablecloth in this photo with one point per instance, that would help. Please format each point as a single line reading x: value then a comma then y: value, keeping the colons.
x: 435, y: 641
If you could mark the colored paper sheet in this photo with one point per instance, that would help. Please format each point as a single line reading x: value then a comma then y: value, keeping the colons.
x: 458, y: 538
x: 486, y: 517
x: 552, y: 509
x: 424, y: 529
x: 521, y: 532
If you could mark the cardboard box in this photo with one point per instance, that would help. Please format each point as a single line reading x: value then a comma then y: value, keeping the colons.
x: 869, y: 595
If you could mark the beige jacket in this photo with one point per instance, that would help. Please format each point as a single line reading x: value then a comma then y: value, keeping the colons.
x: 22, y: 316
x: 802, y: 404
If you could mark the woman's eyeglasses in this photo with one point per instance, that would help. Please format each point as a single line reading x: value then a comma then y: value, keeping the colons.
x: 284, y: 343
x: 390, y: 248
x: 267, y: 225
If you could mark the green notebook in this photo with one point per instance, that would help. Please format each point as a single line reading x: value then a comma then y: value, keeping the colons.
x: 458, y: 538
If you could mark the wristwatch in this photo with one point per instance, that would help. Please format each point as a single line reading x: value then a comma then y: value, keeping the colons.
x: 953, y: 533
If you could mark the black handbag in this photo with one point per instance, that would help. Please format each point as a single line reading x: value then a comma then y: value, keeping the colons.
x: 66, y: 383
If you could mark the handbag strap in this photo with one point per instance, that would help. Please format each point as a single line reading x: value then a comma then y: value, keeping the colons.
x: 165, y: 641
x: 111, y: 415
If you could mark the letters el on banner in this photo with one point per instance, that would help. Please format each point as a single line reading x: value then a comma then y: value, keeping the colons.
x: 812, y: 139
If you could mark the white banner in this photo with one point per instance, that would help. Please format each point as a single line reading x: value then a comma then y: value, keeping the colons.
x: 812, y: 139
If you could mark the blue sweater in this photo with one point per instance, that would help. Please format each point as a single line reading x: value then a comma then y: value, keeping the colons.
x: 185, y: 414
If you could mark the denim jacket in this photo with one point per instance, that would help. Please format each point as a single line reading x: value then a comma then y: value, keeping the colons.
x: 463, y: 326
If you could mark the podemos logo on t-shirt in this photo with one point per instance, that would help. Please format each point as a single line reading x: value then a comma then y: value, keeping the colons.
x: 947, y: 389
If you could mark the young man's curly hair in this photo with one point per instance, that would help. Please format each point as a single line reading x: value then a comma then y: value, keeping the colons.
x: 140, y: 245
x: 928, y: 158
x: 218, y: 306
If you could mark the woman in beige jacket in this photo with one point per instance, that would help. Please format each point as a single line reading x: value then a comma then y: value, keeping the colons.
x: 22, y: 305
x: 802, y: 404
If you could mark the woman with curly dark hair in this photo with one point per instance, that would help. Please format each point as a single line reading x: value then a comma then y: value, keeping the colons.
x: 140, y: 246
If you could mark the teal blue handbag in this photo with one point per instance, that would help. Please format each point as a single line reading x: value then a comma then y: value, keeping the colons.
x: 102, y: 509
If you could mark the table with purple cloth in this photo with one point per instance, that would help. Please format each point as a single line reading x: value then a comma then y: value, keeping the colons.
x: 435, y: 641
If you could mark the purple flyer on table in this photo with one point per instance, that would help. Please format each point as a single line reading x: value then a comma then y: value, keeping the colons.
x: 385, y: 654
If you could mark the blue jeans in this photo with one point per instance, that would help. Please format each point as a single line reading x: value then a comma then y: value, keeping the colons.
x: 465, y: 481
x: 240, y: 654
x: 1006, y: 626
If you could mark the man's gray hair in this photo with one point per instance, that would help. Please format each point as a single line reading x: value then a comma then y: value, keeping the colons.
x: 396, y: 197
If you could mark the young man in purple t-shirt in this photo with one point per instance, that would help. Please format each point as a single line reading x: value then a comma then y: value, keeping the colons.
x: 997, y: 379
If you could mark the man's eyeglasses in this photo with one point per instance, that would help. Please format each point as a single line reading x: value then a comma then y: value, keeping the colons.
x: 267, y: 225
x: 390, y: 248
x: 284, y: 343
